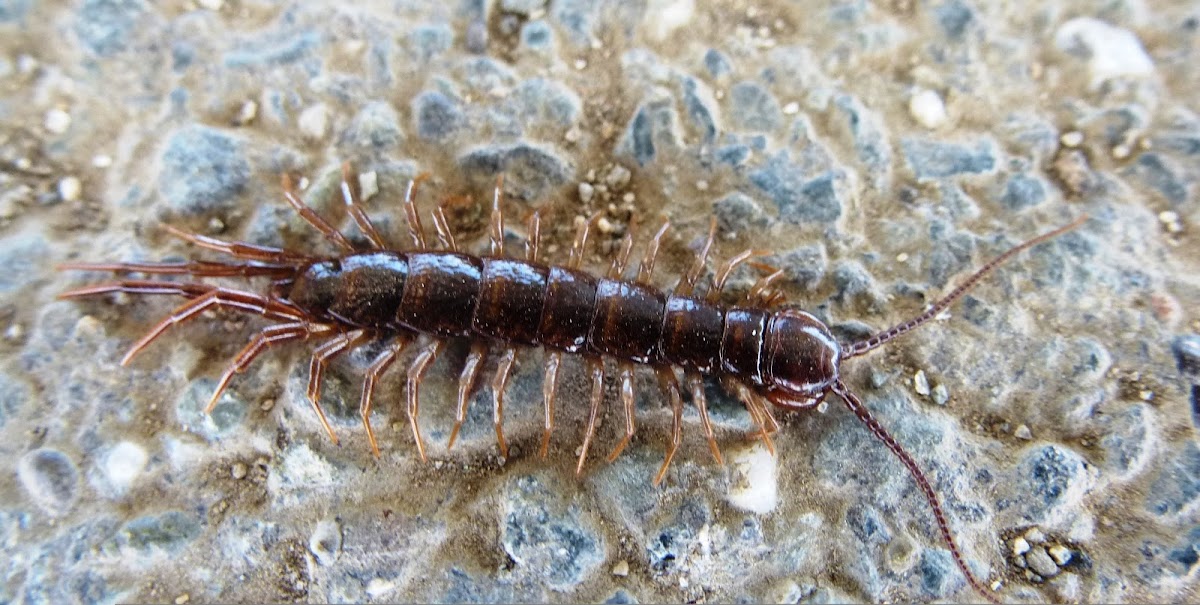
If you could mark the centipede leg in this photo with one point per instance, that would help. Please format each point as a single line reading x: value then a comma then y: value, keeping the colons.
x: 726, y: 268
x: 442, y: 226
x: 334, y: 236
x: 496, y: 226
x: 374, y: 372
x: 553, y: 361
x: 621, y: 260
x: 627, y: 402
x: 327, y: 351
x: 646, y: 269
x: 261, y: 341
x: 687, y: 283
x: 499, y: 385
x: 670, y: 386
x: 466, y: 384
x: 241, y: 250
x: 216, y: 297
x: 194, y: 268
x: 534, y: 238
x: 415, y: 373
x: 353, y: 201
x: 415, y: 231
x: 757, y: 410
x: 695, y: 385
x: 596, y: 369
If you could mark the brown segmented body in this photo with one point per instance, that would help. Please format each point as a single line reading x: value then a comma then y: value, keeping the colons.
x: 767, y: 355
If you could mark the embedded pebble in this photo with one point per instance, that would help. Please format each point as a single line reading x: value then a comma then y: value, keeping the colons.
x: 927, y: 109
x: 1020, y: 546
x: 586, y: 191
x: 203, y: 170
x: 57, y: 121
x: 754, y: 484
x: 1023, y: 432
x: 941, y: 394
x: 1041, y: 563
x: 1071, y: 139
x: 368, y: 184
x: 621, y: 569
x: 314, y: 122
x: 70, y: 188
x: 239, y: 470
x: 921, y: 383
x: 124, y: 462
x: 325, y: 543
x: 50, y: 479
x: 1110, y: 51
x: 1061, y: 554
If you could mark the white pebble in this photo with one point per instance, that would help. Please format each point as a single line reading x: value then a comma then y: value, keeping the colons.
x: 586, y: 191
x: 124, y: 463
x: 1071, y: 139
x: 669, y: 15
x: 57, y: 121
x: 102, y: 161
x: 326, y: 542
x: 1111, y: 52
x: 921, y: 383
x: 314, y: 122
x: 791, y: 108
x: 368, y: 185
x: 621, y: 569
x: 247, y: 113
x: 378, y: 587
x: 70, y: 188
x: 212, y: 5
x: 1023, y: 432
x: 927, y: 109
x: 754, y: 486
x: 1061, y: 554
x: 1020, y: 546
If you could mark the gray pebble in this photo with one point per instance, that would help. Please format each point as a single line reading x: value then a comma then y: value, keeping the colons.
x: 717, y: 63
x: 752, y: 108
x: 939, y: 574
x: 870, y: 140
x: 1162, y: 175
x: 13, y: 10
x: 537, y: 36
x: 50, y: 479
x: 23, y: 257
x: 851, y: 280
x: 805, y: 266
x: 274, y: 51
x: 106, y: 26
x: 867, y: 525
x: 1023, y: 191
x: 543, y: 103
x: 524, y: 8
x: 800, y: 200
x: 428, y: 42
x: 697, y: 110
x: 13, y: 395
x: 1178, y: 483
x: 482, y: 75
x: 376, y: 128
x: 620, y: 597
x: 325, y: 543
x: 935, y: 159
x: 654, y: 127
x: 203, y: 171
x: 738, y: 213
x: 1041, y: 562
x: 577, y: 18
x: 545, y: 543
x: 1127, y: 440
x: 1051, y: 480
x: 437, y: 116
x: 954, y: 16
x: 1187, y: 354
x: 229, y: 413
x: 168, y: 532
x: 530, y: 172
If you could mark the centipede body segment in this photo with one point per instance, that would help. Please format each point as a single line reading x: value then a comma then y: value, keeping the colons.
x: 766, y: 354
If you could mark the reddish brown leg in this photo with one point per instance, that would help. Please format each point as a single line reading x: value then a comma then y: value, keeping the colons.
x: 757, y: 296
x: 194, y: 268
x: 755, y: 406
x: 238, y: 249
x: 327, y: 351
x: 596, y: 369
x: 687, y: 283
x: 496, y: 227
x: 415, y: 230
x: 670, y: 386
x: 264, y: 339
x: 577, y: 247
x: 695, y: 385
x: 864, y: 415
x: 442, y: 226
x: 333, y: 235
x: 466, y: 384
x: 499, y: 385
x: 553, y: 360
x: 217, y: 297
x: 415, y: 373
x: 726, y: 268
x: 535, y: 236
x: 625, y: 370
x: 621, y: 260
x: 350, y: 196
x: 646, y: 269
x: 140, y: 286
x: 378, y: 367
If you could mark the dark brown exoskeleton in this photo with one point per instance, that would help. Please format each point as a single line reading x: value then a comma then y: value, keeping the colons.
x: 762, y: 353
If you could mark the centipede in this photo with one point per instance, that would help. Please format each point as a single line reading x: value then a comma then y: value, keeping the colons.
x: 768, y: 354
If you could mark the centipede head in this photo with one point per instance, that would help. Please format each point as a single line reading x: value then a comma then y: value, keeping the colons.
x: 801, y: 360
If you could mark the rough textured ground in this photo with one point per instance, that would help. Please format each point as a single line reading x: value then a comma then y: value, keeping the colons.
x: 879, y: 150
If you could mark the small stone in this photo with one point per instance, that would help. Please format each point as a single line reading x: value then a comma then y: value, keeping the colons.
x: 586, y: 191
x: 239, y: 470
x: 102, y: 161
x: 368, y: 185
x: 1020, y: 546
x: 621, y: 569
x: 1170, y: 221
x: 1023, y: 191
x: 792, y: 108
x: 1035, y: 535
x: 605, y: 226
x: 1120, y: 152
x: 123, y: 463
x: 1061, y: 554
x: 1041, y: 563
x: 437, y: 116
x: 183, y: 598
x: 941, y: 394
x: 212, y: 5
x: 57, y: 121
x: 754, y: 483
x: 203, y: 170
x: 921, y: 383
x: 618, y: 177
x: 70, y: 188
x: 927, y: 108
x: 326, y: 542
x: 1110, y: 52
x: 932, y: 160
x: 247, y: 113
x: 1023, y: 432
x: 1071, y: 139
x: 669, y: 16
x: 50, y: 479
x: 314, y: 122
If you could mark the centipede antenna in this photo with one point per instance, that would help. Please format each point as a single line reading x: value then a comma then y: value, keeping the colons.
x: 864, y: 346
x: 856, y: 406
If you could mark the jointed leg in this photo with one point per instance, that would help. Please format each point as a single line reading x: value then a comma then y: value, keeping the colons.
x: 695, y: 385
x: 264, y: 339
x: 726, y: 268
x: 496, y: 227
x: 194, y: 268
x: 621, y: 260
x: 466, y: 384
x: 670, y: 385
x: 499, y: 384
x: 354, y: 208
x: 442, y: 226
x: 757, y: 410
x: 415, y: 373
x: 333, y: 235
x: 377, y: 368
x: 688, y: 282
x: 646, y: 269
x: 627, y: 402
x: 534, y: 237
x: 553, y: 361
x: 758, y: 293
x: 238, y: 249
x: 577, y: 247
x: 328, y: 350
x: 415, y: 230
x: 596, y: 369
